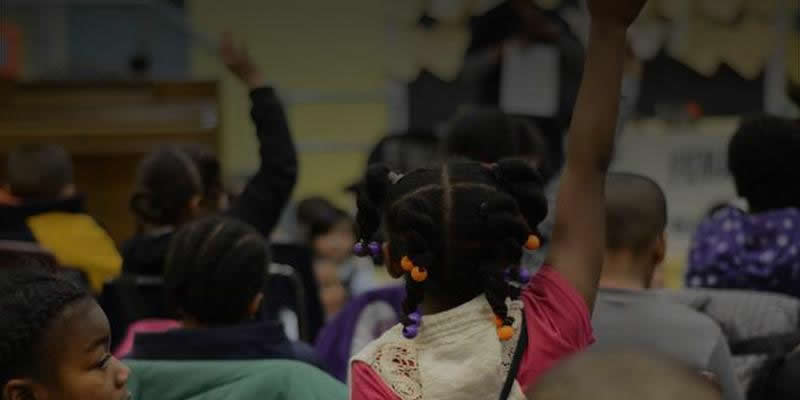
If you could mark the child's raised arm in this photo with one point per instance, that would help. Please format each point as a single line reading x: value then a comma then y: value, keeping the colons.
x: 266, y: 194
x: 578, y: 246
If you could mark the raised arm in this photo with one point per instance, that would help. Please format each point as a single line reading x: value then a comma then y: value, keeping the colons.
x: 268, y: 191
x: 578, y: 244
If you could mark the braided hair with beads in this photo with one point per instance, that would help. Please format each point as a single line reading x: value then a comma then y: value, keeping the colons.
x: 456, y: 230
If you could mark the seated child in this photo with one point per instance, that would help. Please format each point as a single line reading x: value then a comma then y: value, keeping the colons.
x: 177, y: 184
x: 623, y: 375
x: 215, y: 274
x: 330, y: 232
x: 627, y: 313
x: 757, y: 249
x: 54, y: 340
x: 472, y: 327
x: 47, y: 209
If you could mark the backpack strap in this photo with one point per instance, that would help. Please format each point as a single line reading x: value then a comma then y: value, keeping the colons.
x: 522, y: 345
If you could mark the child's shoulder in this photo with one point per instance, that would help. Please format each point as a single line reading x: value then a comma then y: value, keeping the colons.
x: 394, y: 359
x: 391, y: 339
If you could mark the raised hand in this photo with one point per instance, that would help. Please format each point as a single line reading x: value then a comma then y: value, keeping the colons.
x: 578, y: 245
x: 239, y: 62
x: 620, y: 13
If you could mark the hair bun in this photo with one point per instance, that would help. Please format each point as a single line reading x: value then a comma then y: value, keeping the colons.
x: 370, y: 199
x: 525, y: 185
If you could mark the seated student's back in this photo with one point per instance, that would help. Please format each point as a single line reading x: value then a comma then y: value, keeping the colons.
x: 43, y: 206
x: 757, y: 248
x: 215, y: 275
x: 623, y: 375
x: 177, y: 184
x: 626, y: 312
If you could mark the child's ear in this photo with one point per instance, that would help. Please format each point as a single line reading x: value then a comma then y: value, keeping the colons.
x: 20, y: 389
x: 394, y: 268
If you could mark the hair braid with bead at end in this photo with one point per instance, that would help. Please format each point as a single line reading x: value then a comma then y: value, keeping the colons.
x: 465, y: 223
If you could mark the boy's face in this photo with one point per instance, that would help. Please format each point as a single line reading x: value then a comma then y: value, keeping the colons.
x: 77, y: 360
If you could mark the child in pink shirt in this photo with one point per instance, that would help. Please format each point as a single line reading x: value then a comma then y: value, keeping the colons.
x: 474, y: 327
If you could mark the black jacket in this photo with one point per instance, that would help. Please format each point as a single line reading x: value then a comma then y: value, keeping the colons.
x: 14, y: 218
x: 263, y: 198
x: 248, y: 341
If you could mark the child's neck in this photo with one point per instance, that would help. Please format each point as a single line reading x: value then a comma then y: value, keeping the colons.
x: 436, y: 304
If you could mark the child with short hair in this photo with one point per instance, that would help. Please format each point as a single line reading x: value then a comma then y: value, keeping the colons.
x: 54, y: 340
x: 43, y: 206
x: 627, y: 313
x: 473, y: 328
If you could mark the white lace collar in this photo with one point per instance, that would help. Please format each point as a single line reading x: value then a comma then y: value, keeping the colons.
x: 456, y: 355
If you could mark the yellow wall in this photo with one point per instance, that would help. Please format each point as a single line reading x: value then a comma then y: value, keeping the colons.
x: 306, y: 44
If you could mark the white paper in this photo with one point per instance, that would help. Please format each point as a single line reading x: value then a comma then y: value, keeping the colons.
x: 530, y: 80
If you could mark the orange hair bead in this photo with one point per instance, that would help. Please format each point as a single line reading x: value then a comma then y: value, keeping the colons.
x: 498, y: 321
x: 533, y: 242
x: 406, y: 264
x: 505, y: 332
x: 419, y: 274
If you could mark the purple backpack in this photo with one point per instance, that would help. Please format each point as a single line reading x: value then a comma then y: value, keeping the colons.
x: 364, y: 319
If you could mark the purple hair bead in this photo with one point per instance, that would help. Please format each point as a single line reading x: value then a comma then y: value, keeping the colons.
x: 359, y: 250
x: 374, y: 249
x: 415, y: 317
x: 410, y: 331
x: 524, y: 275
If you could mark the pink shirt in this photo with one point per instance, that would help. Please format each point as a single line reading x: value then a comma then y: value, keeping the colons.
x: 559, y: 325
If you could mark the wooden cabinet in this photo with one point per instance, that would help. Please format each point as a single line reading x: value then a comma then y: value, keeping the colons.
x: 108, y: 127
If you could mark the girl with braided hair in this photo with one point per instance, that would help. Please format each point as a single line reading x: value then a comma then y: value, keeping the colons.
x: 473, y: 327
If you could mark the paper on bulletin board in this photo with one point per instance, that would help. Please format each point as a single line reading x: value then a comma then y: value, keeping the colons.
x: 529, y: 83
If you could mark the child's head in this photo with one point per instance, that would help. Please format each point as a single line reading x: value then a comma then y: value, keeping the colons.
x: 169, y: 188
x: 762, y: 157
x: 489, y: 135
x: 215, y: 271
x: 175, y: 184
x: 214, y: 196
x: 406, y: 151
x: 54, y: 340
x: 623, y: 375
x: 329, y: 229
x: 464, y: 224
x: 636, y: 217
x: 40, y: 172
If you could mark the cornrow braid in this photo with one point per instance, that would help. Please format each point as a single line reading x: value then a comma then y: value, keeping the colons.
x: 457, y: 231
x: 214, y: 268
